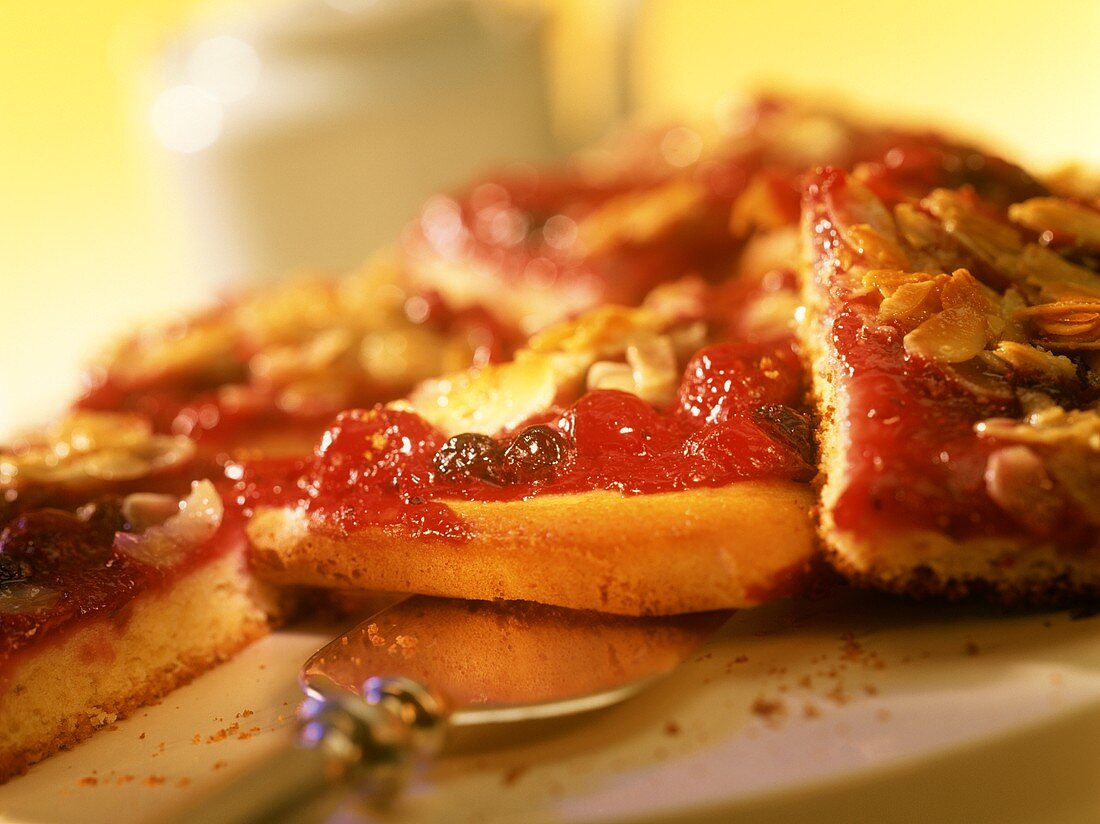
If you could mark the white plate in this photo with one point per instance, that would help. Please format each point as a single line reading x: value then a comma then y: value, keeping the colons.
x: 853, y: 707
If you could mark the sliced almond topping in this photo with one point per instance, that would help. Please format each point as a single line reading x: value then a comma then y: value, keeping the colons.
x: 1055, y: 277
x: 1068, y: 324
x: 1052, y: 426
x: 990, y: 240
x: 1017, y: 481
x: 638, y: 216
x: 868, y: 228
x: 93, y: 446
x: 1053, y: 214
x: 1011, y: 303
x: 910, y: 303
x: 195, y: 520
x: 553, y: 368
x: 918, y: 229
x: 951, y: 336
x: 758, y: 207
x: 1036, y: 363
x: 984, y: 376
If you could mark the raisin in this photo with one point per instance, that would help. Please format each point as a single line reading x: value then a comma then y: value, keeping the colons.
x: 789, y: 427
x: 534, y: 455
x: 469, y: 455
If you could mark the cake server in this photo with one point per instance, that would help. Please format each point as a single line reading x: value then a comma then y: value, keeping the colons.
x: 381, y: 697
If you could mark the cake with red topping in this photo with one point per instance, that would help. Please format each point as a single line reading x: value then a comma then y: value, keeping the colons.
x: 110, y: 596
x: 631, y: 461
x: 954, y: 340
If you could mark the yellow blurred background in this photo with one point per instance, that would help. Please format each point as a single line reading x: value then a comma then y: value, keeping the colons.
x: 90, y: 239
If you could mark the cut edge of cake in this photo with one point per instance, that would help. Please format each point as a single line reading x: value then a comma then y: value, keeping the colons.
x: 662, y: 553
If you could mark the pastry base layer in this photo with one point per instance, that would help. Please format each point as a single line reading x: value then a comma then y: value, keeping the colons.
x: 658, y: 554
x: 57, y: 695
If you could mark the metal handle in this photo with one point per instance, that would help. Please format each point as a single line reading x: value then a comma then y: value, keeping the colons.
x: 367, y: 744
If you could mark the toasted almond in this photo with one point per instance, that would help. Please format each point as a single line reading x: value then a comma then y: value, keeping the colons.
x: 1017, y: 481
x: 1053, y: 214
x: 1036, y: 363
x: 1052, y: 426
x: 93, y: 446
x: 990, y: 240
x: 951, y: 336
x: 1055, y: 277
x: 1067, y: 324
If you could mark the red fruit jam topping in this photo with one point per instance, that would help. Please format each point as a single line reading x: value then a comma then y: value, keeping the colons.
x: 58, y: 567
x: 384, y: 468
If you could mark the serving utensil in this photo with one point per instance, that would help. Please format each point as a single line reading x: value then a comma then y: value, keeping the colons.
x: 382, y: 696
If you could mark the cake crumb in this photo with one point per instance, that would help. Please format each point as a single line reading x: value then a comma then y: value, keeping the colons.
x: 88, y: 781
x: 153, y: 780
x: 672, y: 728
x: 196, y: 738
x: 141, y: 737
x: 971, y: 648
x: 220, y: 765
x: 513, y: 774
x: 124, y: 779
x: 770, y: 709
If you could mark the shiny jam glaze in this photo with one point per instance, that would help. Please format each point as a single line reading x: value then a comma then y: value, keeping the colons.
x: 391, y: 469
x: 65, y: 558
x: 914, y: 458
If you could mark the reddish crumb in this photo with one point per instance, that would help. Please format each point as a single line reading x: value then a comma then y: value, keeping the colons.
x: 183, y: 782
x: 247, y: 713
x: 141, y: 737
x: 220, y: 735
x: 244, y: 736
x: 851, y: 649
x: 220, y: 765
x: 112, y: 728
x: 740, y: 659
x: 672, y: 728
x: 770, y: 709
x: 196, y: 738
x: 124, y: 779
x: 153, y: 780
x: 88, y: 781
x: 513, y: 774
x: 971, y: 648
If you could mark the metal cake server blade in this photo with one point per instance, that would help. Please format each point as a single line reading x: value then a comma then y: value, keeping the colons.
x: 382, y: 696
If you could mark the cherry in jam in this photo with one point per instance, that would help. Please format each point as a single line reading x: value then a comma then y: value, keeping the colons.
x: 739, y: 377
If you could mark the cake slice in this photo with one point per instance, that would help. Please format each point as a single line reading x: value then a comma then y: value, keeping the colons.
x: 110, y: 597
x: 628, y: 462
x: 954, y: 343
